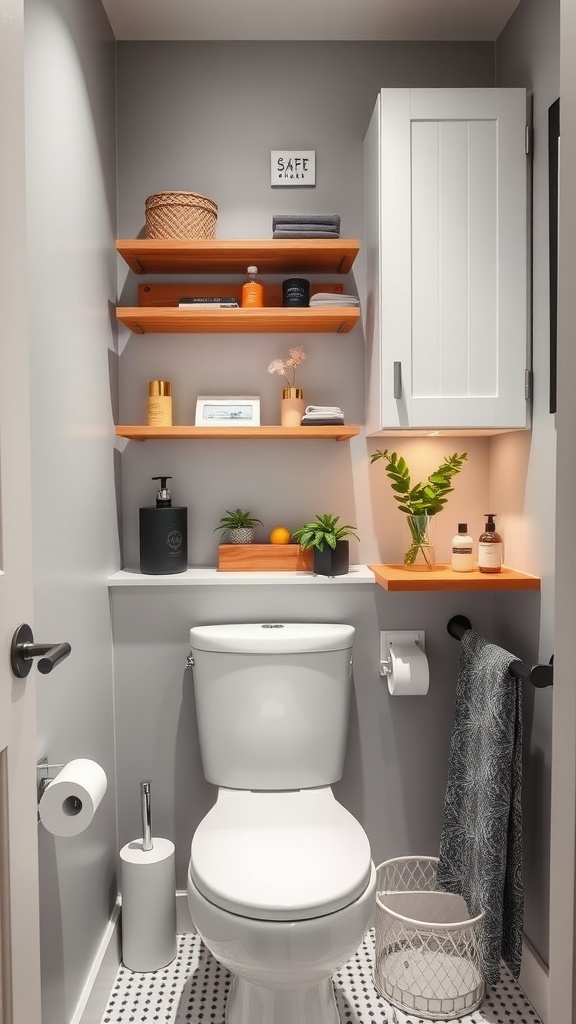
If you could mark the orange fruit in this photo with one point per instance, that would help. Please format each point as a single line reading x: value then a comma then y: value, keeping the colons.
x: 280, y: 535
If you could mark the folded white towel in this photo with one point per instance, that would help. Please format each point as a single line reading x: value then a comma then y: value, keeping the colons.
x: 333, y: 299
x: 323, y: 410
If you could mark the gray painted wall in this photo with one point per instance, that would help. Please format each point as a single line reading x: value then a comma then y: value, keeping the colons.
x: 70, y: 136
x: 183, y: 121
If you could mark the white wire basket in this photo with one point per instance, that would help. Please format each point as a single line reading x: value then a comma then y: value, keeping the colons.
x: 427, y: 958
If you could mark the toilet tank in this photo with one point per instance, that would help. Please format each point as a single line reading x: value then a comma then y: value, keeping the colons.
x: 272, y: 703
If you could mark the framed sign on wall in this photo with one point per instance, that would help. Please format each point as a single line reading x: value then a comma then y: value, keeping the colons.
x: 290, y: 168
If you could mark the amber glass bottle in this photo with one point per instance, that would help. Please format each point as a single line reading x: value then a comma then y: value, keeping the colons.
x: 490, y: 547
x: 252, y: 289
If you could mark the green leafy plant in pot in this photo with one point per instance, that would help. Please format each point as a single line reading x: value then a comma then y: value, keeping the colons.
x: 240, y: 525
x: 326, y: 537
x: 420, y: 501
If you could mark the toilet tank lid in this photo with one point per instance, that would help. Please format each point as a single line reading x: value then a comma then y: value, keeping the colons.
x: 273, y: 637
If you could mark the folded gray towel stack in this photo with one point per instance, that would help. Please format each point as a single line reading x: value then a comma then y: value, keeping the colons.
x: 305, y: 225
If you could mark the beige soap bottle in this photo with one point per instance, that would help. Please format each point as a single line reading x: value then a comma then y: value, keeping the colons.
x: 490, y: 547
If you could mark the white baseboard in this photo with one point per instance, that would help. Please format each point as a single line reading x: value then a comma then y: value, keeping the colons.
x: 99, y: 982
x: 533, y: 981
x: 183, y: 919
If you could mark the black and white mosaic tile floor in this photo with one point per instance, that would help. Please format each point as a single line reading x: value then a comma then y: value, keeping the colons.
x: 194, y: 987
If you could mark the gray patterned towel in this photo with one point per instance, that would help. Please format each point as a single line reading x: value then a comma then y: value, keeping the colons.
x: 481, y: 841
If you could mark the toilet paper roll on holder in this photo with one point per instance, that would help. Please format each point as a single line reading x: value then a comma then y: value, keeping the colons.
x: 399, y: 636
x: 404, y: 639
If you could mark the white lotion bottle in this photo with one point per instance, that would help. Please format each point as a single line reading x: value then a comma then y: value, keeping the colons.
x: 462, y: 550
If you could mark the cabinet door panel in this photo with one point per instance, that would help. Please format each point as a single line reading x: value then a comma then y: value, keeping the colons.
x: 450, y: 272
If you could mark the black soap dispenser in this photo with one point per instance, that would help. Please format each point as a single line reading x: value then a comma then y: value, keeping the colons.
x: 163, y: 534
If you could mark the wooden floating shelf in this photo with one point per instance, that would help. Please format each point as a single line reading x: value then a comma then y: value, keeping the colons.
x: 398, y: 578
x: 263, y: 320
x: 271, y: 433
x: 216, y: 256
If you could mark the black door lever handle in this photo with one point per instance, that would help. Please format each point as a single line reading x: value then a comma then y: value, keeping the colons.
x: 23, y: 650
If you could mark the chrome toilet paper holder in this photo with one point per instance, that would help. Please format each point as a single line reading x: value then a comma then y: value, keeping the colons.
x: 399, y: 636
x: 45, y: 780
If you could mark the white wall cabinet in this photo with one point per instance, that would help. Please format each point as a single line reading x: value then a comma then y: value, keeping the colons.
x: 447, y: 250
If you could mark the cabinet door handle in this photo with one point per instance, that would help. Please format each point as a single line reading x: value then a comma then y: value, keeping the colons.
x: 398, y: 380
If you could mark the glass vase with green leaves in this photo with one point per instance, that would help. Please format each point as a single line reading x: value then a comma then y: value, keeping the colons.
x: 421, y: 501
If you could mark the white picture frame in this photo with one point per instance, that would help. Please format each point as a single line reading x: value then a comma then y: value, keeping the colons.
x: 290, y: 168
x: 227, y: 411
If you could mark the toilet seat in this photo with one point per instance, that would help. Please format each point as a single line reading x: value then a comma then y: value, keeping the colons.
x: 281, y: 856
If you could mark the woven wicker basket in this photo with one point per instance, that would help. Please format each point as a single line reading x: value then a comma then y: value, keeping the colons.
x: 180, y: 215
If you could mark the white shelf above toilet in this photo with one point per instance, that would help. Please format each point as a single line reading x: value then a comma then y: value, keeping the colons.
x: 209, y: 576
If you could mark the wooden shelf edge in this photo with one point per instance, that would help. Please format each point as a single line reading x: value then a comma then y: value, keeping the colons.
x: 265, y: 320
x: 397, y: 578
x: 138, y: 432
x: 272, y: 255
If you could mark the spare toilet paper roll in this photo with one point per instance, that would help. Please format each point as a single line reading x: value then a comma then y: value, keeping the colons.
x: 70, y: 801
x: 409, y: 674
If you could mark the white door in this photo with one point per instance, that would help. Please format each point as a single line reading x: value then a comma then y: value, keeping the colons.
x: 452, y: 268
x: 19, y: 927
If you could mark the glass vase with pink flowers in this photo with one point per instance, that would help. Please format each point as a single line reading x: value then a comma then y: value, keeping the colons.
x: 292, y: 401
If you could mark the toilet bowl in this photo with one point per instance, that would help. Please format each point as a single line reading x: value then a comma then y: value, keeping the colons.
x: 281, y: 888
x: 281, y: 884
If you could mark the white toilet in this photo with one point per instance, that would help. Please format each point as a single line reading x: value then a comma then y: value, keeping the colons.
x: 281, y: 884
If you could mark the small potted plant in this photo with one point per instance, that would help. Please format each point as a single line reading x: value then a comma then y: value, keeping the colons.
x: 420, y: 502
x: 240, y: 525
x: 330, y: 549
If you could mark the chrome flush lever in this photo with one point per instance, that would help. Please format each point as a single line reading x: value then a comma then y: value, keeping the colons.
x: 23, y: 650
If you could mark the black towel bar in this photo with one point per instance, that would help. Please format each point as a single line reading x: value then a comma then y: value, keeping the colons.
x: 539, y: 675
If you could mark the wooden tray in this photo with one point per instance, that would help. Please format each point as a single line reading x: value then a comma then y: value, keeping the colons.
x: 263, y: 558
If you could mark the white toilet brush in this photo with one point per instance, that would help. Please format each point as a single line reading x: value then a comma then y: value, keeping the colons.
x: 148, y: 886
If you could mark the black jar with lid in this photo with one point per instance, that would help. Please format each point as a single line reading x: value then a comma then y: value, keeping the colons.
x: 295, y: 292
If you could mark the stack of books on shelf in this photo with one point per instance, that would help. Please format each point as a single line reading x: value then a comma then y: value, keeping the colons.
x: 202, y: 301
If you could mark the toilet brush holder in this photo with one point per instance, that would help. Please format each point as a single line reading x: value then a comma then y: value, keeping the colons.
x: 148, y: 887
